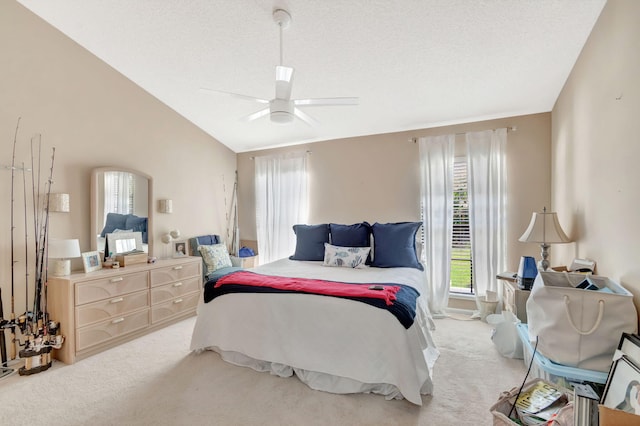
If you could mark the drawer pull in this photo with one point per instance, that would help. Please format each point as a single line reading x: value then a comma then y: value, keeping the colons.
x: 177, y: 268
x: 178, y: 284
x: 115, y: 280
x: 115, y: 321
x: 119, y: 299
x: 175, y: 302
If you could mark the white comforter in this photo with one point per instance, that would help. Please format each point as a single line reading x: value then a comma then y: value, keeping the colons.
x: 332, y: 344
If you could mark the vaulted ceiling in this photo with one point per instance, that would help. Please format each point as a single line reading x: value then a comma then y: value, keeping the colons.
x: 413, y: 64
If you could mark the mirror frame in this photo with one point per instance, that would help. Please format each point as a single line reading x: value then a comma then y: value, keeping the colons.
x: 94, y: 203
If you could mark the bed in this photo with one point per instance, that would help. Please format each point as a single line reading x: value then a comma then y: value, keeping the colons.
x: 331, y: 343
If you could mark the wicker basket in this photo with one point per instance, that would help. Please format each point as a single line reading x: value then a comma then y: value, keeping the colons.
x: 500, y: 410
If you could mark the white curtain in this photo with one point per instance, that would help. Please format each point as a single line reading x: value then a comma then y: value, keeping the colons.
x: 118, y: 193
x: 436, y: 184
x: 282, y: 201
x: 487, y: 207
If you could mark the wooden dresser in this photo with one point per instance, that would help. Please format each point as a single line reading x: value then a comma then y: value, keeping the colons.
x: 102, y: 309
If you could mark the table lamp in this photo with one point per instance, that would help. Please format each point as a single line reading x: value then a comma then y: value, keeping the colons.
x: 545, y: 229
x: 61, y: 251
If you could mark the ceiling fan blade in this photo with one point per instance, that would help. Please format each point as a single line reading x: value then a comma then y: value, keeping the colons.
x: 284, y: 81
x: 325, y: 101
x: 256, y: 115
x: 305, y: 117
x: 235, y: 95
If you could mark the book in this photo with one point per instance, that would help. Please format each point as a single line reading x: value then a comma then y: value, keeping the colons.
x: 538, y: 397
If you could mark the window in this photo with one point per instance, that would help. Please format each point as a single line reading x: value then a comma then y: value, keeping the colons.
x: 119, y: 189
x: 461, y: 264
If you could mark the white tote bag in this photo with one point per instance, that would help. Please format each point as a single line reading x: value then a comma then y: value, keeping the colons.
x: 579, y: 327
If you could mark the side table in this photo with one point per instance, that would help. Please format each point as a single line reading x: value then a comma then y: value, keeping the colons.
x: 514, y: 298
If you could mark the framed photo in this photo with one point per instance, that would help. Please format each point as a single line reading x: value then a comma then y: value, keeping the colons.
x: 91, y: 261
x: 179, y: 248
x: 123, y: 242
x: 622, y: 391
x: 630, y: 346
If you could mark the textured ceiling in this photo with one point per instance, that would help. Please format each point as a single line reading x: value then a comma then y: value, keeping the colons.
x: 413, y: 63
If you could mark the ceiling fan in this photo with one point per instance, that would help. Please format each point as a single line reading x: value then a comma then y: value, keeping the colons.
x: 282, y: 109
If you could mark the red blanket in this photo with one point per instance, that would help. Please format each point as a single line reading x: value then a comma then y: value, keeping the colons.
x: 308, y: 285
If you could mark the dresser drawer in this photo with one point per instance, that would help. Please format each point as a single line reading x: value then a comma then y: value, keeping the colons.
x: 108, y: 308
x: 174, y: 307
x: 170, y: 291
x: 116, y: 285
x: 87, y: 337
x: 170, y: 274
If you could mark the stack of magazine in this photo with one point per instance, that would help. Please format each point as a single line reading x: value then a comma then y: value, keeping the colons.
x: 540, y: 403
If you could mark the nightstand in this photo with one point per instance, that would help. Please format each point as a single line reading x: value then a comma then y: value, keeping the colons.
x: 514, y: 298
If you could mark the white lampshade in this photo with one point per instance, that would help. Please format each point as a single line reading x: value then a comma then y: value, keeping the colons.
x: 544, y: 228
x: 59, y: 203
x: 61, y: 251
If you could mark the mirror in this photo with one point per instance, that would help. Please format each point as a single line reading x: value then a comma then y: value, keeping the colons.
x: 126, y: 193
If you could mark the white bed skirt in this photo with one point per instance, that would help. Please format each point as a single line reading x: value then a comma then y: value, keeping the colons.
x: 332, y: 344
x: 313, y: 379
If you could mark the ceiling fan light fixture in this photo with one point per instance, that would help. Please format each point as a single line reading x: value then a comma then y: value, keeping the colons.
x: 281, y: 117
x: 281, y: 111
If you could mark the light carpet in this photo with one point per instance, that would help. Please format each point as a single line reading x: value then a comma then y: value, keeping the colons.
x: 155, y: 380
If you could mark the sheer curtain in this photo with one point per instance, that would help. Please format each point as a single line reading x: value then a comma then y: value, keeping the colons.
x: 487, y: 207
x: 436, y: 187
x: 282, y: 201
x: 118, y: 193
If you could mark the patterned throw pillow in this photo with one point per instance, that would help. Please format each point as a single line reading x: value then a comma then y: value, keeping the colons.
x: 348, y: 257
x: 215, y: 256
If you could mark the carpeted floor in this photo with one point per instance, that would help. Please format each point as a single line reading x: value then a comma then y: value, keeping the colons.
x: 154, y: 380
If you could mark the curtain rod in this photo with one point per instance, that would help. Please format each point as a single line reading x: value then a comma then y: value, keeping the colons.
x: 511, y: 128
x: 307, y: 152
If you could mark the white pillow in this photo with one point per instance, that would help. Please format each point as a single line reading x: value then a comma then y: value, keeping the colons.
x: 348, y: 257
x: 215, y: 256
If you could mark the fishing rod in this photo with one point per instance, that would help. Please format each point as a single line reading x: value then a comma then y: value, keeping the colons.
x: 39, y: 305
x: 24, y: 320
x: 12, y: 347
x: 36, y: 223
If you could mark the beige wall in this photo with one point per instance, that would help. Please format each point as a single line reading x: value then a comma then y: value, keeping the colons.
x: 595, y: 148
x: 376, y: 178
x: 94, y: 116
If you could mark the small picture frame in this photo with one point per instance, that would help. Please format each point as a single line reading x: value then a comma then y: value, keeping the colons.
x: 91, y: 261
x: 622, y: 391
x: 179, y: 248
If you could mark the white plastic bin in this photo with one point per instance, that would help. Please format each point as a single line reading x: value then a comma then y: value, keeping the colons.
x: 561, y: 375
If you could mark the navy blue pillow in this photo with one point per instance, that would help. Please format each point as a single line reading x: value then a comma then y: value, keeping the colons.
x: 137, y: 224
x: 114, y: 221
x: 394, y: 245
x: 310, y: 241
x: 356, y: 235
